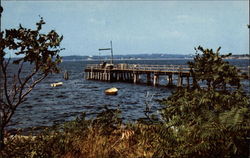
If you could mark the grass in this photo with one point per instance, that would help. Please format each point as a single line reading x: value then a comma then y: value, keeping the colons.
x: 105, y: 136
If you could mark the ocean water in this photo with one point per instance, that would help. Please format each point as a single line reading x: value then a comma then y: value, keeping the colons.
x: 46, y: 105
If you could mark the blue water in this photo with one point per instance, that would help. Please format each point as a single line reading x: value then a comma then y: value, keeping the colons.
x: 47, y: 106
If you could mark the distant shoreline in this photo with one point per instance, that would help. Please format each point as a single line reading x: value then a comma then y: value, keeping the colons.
x: 126, y: 59
x: 146, y: 59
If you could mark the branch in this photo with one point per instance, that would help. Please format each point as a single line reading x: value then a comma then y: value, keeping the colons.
x: 19, y: 72
x: 6, y: 64
x: 34, y: 84
x: 13, y: 90
x: 21, y: 99
x: 24, y: 83
x: 4, y: 67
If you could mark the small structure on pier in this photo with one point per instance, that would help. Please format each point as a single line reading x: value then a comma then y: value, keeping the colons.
x: 133, y: 73
x: 111, y: 51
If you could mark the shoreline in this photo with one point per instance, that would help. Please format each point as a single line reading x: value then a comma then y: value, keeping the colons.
x: 148, y: 59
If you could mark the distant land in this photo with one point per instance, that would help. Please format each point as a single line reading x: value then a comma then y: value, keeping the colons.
x: 143, y: 57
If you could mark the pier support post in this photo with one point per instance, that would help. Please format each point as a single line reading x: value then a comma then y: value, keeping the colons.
x: 170, y: 80
x: 108, y: 76
x: 122, y: 76
x: 102, y: 78
x: 111, y: 77
x: 115, y: 76
x: 91, y: 75
x: 148, y: 78
x: 130, y: 77
x: 136, y: 77
x: 86, y: 75
x: 156, y: 80
x: 99, y: 75
x: 180, y: 80
x: 96, y: 75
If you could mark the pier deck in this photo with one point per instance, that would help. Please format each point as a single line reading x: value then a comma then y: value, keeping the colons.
x: 133, y: 73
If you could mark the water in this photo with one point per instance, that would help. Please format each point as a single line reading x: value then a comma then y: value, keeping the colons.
x: 48, y: 105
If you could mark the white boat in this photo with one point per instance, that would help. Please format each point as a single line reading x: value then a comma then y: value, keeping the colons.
x: 111, y: 91
x: 56, y: 84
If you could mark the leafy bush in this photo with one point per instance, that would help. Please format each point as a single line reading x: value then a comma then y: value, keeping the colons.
x: 208, y: 122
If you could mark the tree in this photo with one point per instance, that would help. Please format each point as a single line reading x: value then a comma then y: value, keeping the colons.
x: 39, y: 51
x: 208, y: 122
x: 211, y: 68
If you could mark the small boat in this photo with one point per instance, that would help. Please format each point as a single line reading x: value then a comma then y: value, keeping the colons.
x: 111, y: 91
x: 56, y: 84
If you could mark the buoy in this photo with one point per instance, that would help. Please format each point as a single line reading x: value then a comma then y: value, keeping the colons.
x: 56, y: 84
x: 111, y: 91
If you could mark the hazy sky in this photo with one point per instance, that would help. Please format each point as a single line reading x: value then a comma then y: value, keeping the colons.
x: 137, y: 26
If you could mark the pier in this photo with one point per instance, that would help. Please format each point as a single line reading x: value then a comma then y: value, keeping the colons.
x: 147, y: 74
x: 137, y: 73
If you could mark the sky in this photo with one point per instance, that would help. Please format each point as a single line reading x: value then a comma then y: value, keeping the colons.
x: 136, y: 27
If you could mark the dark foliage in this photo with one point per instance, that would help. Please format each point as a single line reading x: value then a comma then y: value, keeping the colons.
x: 209, y: 122
x: 211, y: 68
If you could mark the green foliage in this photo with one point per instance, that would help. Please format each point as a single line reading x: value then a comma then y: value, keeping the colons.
x: 210, y: 67
x: 207, y: 122
x: 108, y: 120
x: 33, y: 47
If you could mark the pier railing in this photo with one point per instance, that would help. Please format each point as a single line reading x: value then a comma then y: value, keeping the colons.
x: 183, y: 68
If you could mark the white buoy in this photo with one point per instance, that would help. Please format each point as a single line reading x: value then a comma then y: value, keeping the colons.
x: 111, y: 91
x: 56, y: 84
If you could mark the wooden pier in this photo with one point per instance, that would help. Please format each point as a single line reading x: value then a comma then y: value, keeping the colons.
x: 136, y: 73
x: 148, y: 74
